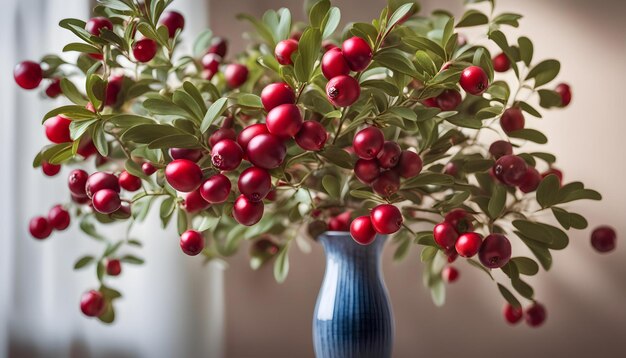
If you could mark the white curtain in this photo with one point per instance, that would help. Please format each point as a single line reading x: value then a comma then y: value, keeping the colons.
x: 172, y: 305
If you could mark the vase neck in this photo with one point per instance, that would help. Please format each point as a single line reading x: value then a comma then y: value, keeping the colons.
x: 339, y: 244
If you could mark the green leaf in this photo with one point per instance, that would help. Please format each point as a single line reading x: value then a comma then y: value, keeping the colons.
x: 83, y: 262
x: 523, y: 288
x: 395, y: 60
x: 402, y: 250
x: 78, y: 128
x: 129, y: 120
x: 318, y: 13
x: 529, y: 134
x: 362, y: 194
x: 473, y: 18
x: 202, y: 43
x: 260, y: 27
x: 580, y: 195
x: 497, y: 201
x: 166, y: 210
x: 281, y: 265
x: 331, y: 21
x: 249, y: 100
x: 525, y: 49
x: 549, y: 98
x: 81, y: 47
x: 133, y: 260
x: 99, y: 140
x: 479, y: 266
x: 397, y: 15
x: 337, y: 156
x: 332, y: 186
x: 509, y: 297
x: 308, y: 52
x: 71, y: 112
x: 529, y: 109
x: 526, y: 266
x: 181, y: 222
x: 438, y: 293
x: 215, y: 110
x: 88, y: 228
x: 428, y: 178
x: 425, y: 43
x: 425, y: 238
x: 507, y: 19
x: 284, y: 25
x: 425, y: 63
x: 544, y: 72
x: 547, y: 190
x: 164, y: 107
x: 428, y: 253
x: 71, y: 92
x: 533, y: 231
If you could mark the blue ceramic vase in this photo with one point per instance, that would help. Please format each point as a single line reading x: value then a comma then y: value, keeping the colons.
x: 353, y: 316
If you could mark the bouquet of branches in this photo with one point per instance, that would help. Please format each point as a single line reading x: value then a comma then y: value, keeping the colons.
x: 379, y: 128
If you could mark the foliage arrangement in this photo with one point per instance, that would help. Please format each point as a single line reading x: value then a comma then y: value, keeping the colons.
x: 375, y: 129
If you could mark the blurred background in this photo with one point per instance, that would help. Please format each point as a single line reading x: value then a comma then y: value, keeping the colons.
x: 173, y: 306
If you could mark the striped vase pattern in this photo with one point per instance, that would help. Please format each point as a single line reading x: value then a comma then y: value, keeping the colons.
x: 353, y: 316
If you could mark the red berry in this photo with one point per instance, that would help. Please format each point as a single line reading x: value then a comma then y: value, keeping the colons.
x: 173, y: 21
x: 367, y: 170
x: 284, y: 50
x: 343, y: 91
x: 144, y: 50
x: 311, y: 136
x: 468, y: 244
x: 535, y: 315
x: 92, y: 303
x: 530, y: 181
x: 452, y: 254
x: 185, y: 153
x: 266, y: 151
x: 357, y: 53
x: 58, y: 129
x: 59, y: 218
x: 86, y: 148
x: 284, y: 121
x: 50, y: 169
x: 501, y: 63
x: 389, y: 155
x: 275, y: 94
x: 80, y: 199
x: 510, y: 169
x: 430, y: 102
x: 220, y: 134
x: 461, y: 220
x: 54, y: 88
x: 255, y: 183
x: 122, y: 213
x: 603, y: 239
x: 147, y: 168
x: 495, y: 251
x: 219, y: 46
x: 500, y: 148
x: 39, y: 227
x: 450, y: 274
x: 474, y: 80
x: 388, y: 183
x: 409, y: 165
x: 445, y: 235
x: 340, y: 222
x: 250, y: 132
x: 236, y: 75
x: 95, y: 25
x: 183, y: 175
x: 368, y: 142
x: 192, y: 242
x: 106, y: 201
x: 512, y: 120
x: 194, y: 202
x: 113, y: 88
x: 386, y: 219
x: 129, y: 182
x: 512, y: 314
x: 28, y: 74
x: 362, y: 230
x: 216, y: 189
x: 113, y: 267
x: 211, y: 62
x: 448, y: 100
x: 327, y: 45
x: 334, y: 64
x: 451, y: 169
x: 99, y: 181
x: 76, y: 182
x: 565, y: 92
x: 246, y: 211
x: 553, y: 171
x: 226, y: 155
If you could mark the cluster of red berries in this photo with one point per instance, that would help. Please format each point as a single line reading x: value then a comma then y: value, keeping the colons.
x: 355, y: 54
x: 29, y: 74
x: 512, y: 170
x: 455, y: 236
x: 384, y: 219
x: 58, y: 219
x: 102, y: 190
x: 382, y: 163
x: 535, y: 315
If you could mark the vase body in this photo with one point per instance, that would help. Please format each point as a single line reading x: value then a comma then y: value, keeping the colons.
x: 353, y: 316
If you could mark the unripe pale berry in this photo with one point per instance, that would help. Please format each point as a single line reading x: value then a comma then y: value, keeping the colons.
x: 343, y: 91
x: 216, y: 189
x: 275, y: 94
x: 284, y: 121
x: 386, y: 219
x: 357, y: 53
x: 246, y: 211
x: 468, y: 244
x: 362, y: 230
x: 192, y: 242
x: 474, y: 80
x: 284, y: 51
x: 368, y: 142
x: 183, y: 175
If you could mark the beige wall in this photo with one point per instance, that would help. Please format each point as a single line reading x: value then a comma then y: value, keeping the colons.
x: 585, y: 292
